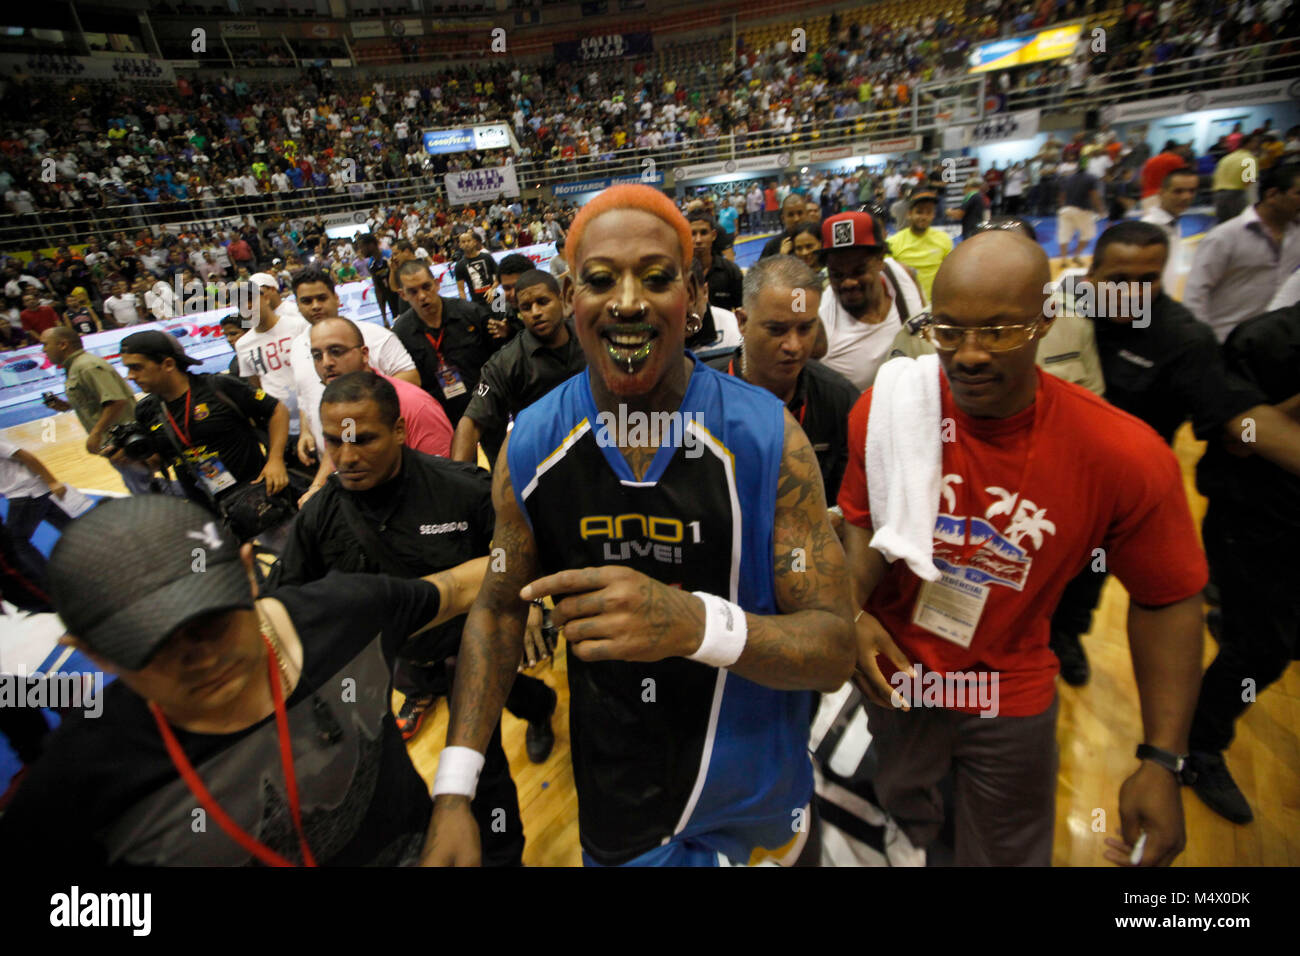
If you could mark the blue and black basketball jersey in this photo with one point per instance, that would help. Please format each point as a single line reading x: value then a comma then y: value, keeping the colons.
x: 674, y: 749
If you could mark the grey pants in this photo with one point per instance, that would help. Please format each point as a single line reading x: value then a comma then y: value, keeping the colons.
x: 1004, y: 771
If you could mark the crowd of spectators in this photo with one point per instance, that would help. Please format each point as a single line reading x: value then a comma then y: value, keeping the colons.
x: 135, y: 278
x: 209, y: 142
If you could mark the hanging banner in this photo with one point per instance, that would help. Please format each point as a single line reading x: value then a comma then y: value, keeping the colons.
x: 406, y: 28
x: 481, y: 185
x: 240, y: 28
x: 365, y: 29
x: 999, y: 128
x: 1252, y: 95
x: 596, y: 185
x: 137, y: 68
x: 749, y: 164
x: 320, y: 31
x: 1050, y: 44
x: 609, y: 46
x: 467, y: 138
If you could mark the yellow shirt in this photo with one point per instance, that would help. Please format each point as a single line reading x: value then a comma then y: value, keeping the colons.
x: 1229, y: 173
x: 924, y: 253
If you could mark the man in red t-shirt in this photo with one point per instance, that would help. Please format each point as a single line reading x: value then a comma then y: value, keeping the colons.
x: 1039, y: 478
x: 342, y: 350
x: 1155, y: 169
x: 36, y: 318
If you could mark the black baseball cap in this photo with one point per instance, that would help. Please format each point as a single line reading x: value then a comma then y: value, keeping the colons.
x: 125, y: 599
x: 154, y: 343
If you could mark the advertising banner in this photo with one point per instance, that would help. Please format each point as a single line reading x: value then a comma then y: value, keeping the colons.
x: 481, y: 185
x: 596, y: 185
x: 1050, y: 44
x: 607, y: 46
x: 769, y: 161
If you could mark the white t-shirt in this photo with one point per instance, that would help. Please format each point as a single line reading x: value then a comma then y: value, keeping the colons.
x: 1179, y: 262
x: 387, y: 355
x: 122, y: 308
x: 267, y: 355
x: 855, y: 349
x: 728, y: 331
x: 16, y: 479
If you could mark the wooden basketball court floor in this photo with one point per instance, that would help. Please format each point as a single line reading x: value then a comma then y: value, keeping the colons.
x: 1098, y: 729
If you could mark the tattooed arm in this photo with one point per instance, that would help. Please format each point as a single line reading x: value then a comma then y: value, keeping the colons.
x: 810, y: 644
x: 615, y: 613
x: 490, y: 650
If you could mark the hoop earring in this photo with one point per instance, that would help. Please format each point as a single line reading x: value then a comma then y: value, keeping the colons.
x: 693, y: 324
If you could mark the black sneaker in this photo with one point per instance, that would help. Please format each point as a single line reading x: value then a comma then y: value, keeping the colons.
x: 410, y: 716
x: 1217, y: 790
x: 539, y: 738
x: 1074, y: 662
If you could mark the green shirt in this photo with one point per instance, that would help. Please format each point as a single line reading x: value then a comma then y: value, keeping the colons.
x: 92, y: 384
x: 924, y: 253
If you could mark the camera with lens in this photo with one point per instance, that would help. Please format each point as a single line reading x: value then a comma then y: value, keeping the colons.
x: 132, y: 439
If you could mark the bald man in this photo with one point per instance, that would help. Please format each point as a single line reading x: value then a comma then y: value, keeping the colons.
x: 1038, y: 478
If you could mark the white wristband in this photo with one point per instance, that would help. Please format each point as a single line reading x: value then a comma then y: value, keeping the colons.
x: 458, y: 770
x: 725, y: 632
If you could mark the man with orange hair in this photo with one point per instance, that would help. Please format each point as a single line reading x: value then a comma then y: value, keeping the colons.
x: 698, y: 581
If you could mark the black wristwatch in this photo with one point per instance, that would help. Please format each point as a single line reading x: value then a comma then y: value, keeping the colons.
x: 1177, y: 764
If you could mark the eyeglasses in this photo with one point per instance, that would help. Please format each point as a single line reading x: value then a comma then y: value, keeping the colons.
x: 990, y: 338
x: 334, y: 352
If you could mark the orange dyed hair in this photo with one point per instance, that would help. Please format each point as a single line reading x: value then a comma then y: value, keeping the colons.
x: 629, y: 196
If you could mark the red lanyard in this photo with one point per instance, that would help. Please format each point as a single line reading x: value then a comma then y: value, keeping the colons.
x: 803, y: 408
x: 437, y: 346
x: 967, y: 494
x: 233, y: 829
x: 189, y: 394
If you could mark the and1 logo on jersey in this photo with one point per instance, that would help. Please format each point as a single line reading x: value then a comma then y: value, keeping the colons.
x: 657, y: 538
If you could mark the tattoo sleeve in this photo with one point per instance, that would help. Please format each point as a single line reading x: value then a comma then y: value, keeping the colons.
x: 494, y: 630
x: 809, y: 645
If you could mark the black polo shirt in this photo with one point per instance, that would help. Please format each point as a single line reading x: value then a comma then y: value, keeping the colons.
x: 521, y: 373
x: 209, y: 426
x: 1260, y: 500
x: 725, y: 283
x: 464, y: 343
x: 1170, y: 371
x: 821, y: 404
x: 433, y: 515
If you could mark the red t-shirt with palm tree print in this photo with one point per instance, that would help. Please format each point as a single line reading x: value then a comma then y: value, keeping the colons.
x: 1098, y: 479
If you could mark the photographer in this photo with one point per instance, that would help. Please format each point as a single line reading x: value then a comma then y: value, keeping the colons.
x: 205, y: 427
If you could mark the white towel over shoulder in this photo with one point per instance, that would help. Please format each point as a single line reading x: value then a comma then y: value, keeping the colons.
x: 904, y: 459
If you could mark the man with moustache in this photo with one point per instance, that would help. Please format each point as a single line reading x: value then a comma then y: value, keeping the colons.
x: 716, y: 509
x: 1027, y: 491
x: 313, y: 290
x: 338, y: 348
x: 530, y: 365
x: 778, y: 325
x: 871, y: 296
